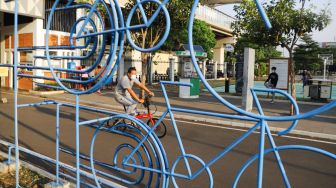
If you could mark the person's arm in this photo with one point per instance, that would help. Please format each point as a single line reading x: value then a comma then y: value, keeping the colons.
x: 134, y: 95
x: 269, y: 77
x: 142, y: 86
x: 276, y: 80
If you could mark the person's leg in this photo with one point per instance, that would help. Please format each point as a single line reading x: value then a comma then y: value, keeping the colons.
x: 129, y: 103
x: 273, y: 95
x: 131, y: 108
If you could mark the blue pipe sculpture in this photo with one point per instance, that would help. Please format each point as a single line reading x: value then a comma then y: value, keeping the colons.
x: 144, y: 157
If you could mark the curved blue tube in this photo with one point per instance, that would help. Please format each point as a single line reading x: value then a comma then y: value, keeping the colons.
x: 228, y: 104
x: 166, y: 32
x: 281, y: 148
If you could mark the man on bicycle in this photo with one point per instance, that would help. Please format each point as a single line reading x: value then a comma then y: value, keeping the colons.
x: 125, y: 95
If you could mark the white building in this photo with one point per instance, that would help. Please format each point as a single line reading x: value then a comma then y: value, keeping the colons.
x: 32, y: 31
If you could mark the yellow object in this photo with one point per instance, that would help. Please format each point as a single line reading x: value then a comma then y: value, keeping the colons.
x: 3, y: 71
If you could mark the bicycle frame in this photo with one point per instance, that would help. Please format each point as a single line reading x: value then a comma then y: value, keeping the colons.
x: 144, y: 116
x: 260, y: 124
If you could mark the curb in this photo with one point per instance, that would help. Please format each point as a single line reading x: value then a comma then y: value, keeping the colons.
x: 45, y: 93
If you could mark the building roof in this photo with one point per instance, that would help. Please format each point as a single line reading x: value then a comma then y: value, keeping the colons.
x: 197, y: 48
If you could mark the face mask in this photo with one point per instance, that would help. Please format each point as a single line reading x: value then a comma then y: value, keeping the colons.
x: 133, y: 77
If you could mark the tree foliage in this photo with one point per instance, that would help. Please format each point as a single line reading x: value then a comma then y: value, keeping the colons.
x: 262, y: 54
x: 202, y: 35
x: 289, y: 24
x: 306, y: 55
x: 179, y: 11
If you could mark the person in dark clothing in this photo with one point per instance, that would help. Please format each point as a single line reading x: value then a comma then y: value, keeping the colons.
x: 272, y: 81
x: 306, y: 76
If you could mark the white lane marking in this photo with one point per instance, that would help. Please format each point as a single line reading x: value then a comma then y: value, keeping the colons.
x: 257, y: 132
x: 204, y: 124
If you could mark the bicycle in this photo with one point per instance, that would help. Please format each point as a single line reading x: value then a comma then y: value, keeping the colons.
x: 160, y: 130
x: 146, y: 142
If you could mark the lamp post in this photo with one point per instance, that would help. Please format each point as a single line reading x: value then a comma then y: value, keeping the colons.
x: 325, y: 58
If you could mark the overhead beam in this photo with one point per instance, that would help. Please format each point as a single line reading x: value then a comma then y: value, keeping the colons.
x: 220, y: 2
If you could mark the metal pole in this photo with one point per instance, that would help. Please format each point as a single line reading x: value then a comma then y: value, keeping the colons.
x: 57, y: 143
x: 77, y: 143
x: 324, y: 69
x: 171, y: 69
x: 261, y: 154
x: 16, y: 94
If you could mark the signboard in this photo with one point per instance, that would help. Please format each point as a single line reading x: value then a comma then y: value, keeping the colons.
x: 229, y: 48
x: 3, y: 71
x: 187, y: 53
x: 188, y: 69
x: 282, y: 69
x: 325, y: 92
x: 327, y: 58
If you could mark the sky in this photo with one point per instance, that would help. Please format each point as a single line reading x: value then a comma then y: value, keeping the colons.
x: 326, y: 35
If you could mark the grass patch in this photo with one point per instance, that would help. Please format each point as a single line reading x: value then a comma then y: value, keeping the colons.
x: 28, y: 178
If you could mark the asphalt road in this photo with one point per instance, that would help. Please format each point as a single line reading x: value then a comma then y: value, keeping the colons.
x: 304, y: 169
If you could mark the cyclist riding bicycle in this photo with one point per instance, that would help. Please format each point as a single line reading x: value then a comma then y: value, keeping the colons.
x: 125, y: 95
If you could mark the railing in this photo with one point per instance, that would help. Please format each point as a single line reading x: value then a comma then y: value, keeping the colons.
x: 214, y: 17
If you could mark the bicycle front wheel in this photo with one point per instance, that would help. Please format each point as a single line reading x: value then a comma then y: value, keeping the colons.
x: 160, y: 130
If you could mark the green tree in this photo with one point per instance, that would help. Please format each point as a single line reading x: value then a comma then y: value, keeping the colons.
x: 179, y: 11
x: 100, y: 7
x: 202, y: 35
x: 179, y: 29
x: 145, y: 37
x: 263, y: 53
x: 306, y: 55
x: 289, y: 24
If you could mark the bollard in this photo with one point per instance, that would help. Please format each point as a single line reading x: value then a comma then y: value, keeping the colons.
x: 227, y: 85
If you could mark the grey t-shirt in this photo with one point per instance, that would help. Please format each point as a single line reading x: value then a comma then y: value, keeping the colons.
x: 125, y: 83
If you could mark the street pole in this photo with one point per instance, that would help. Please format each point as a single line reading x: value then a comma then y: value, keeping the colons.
x: 324, y: 69
x: 248, y: 77
x: 15, y: 68
x: 172, y: 69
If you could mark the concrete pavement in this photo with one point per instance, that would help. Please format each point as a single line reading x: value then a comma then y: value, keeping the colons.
x: 321, y: 126
x: 37, y: 132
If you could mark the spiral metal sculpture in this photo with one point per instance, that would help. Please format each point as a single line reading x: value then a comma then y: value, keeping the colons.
x: 143, y: 159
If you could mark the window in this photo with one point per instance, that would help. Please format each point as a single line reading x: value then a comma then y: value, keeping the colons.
x: 62, y: 20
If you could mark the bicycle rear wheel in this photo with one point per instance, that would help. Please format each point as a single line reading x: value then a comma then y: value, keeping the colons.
x: 160, y: 130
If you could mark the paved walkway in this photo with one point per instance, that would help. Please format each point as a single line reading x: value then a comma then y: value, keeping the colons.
x: 321, y: 126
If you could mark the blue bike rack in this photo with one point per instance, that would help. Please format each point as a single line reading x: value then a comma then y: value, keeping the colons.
x: 147, y: 157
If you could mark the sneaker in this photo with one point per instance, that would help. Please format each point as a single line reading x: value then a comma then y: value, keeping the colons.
x: 272, y: 102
